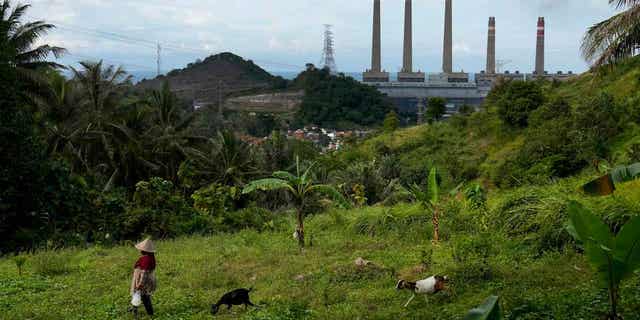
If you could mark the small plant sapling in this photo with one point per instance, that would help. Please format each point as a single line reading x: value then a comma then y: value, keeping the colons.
x: 615, y: 258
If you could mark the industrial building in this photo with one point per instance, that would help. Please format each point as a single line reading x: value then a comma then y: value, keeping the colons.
x: 458, y: 88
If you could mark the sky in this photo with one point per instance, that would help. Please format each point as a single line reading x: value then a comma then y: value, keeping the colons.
x: 284, y: 35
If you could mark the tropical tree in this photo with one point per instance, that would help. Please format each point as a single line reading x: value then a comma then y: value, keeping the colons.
x: 224, y: 159
x: 429, y: 198
x: 102, y: 88
x: 169, y: 134
x: 436, y: 108
x: 391, y: 122
x: 615, y: 258
x: 61, y: 107
x: 616, y: 38
x: 301, y: 186
x: 18, y: 39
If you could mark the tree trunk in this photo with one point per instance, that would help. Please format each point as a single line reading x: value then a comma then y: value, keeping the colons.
x: 300, y: 228
x: 436, y: 225
x: 613, y: 301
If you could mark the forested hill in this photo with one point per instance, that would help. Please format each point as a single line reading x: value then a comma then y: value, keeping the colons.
x: 226, y: 72
x: 526, y: 133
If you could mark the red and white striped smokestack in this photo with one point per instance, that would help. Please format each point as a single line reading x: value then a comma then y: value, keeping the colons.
x: 540, y: 48
x: 491, y: 46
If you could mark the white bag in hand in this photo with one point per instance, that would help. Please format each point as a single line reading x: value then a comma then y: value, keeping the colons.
x: 136, y: 299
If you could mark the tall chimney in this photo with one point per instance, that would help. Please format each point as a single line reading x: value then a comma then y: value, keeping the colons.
x: 491, y: 46
x: 407, y: 58
x: 375, y: 74
x: 447, y: 56
x: 540, y: 48
x: 376, y: 65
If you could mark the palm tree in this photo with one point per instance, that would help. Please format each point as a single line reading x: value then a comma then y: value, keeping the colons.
x: 169, y: 134
x: 132, y: 154
x: 102, y: 89
x: 301, y: 186
x: 19, y: 40
x: 616, y: 38
x: 61, y: 104
x: 429, y: 199
x: 224, y: 159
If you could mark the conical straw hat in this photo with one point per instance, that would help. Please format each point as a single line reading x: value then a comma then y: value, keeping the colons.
x: 146, y: 246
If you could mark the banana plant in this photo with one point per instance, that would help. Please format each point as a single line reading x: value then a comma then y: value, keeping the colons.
x: 301, y: 186
x: 615, y: 258
x: 606, y: 184
x: 488, y: 310
x: 429, y: 199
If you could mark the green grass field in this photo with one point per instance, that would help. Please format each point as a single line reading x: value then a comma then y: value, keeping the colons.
x: 321, y: 282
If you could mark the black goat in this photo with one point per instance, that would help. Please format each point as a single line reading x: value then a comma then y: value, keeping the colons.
x: 233, y: 298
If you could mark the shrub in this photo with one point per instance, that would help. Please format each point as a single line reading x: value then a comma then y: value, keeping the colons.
x: 248, y: 218
x: 20, y: 262
x: 391, y: 122
x: 515, y: 100
x: 216, y: 199
x: 596, y: 123
x: 403, y: 220
x: 158, y: 210
x: 535, y: 214
x: 471, y: 255
x: 457, y: 219
x: 436, y: 108
x: 52, y: 263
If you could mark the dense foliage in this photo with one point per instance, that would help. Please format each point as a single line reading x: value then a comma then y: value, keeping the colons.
x: 436, y: 108
x: 338, y: 101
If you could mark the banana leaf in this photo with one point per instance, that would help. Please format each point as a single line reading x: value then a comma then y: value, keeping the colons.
x: 488, y: 310
x: 605, y: 185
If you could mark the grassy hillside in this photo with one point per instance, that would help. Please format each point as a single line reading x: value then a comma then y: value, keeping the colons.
x: 514, y: 244
x: 512, y: 256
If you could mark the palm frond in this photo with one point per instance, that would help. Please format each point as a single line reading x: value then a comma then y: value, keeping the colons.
x: 284, y: 175
x: 331, y: 192
x: 36, y: 57
x: 619, y: 4
x: 614, y: 39
x: 432, y: 186
x: 268, y: 184
x: 26, y: 34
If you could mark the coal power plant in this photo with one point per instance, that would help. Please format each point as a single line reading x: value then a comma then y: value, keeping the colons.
x: 412, y: 86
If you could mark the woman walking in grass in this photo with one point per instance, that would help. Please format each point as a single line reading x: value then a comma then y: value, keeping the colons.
x: 143, y: 283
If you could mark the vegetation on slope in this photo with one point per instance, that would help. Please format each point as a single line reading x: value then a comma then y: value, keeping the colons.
x: 322, y: 282
x: 338, y: 101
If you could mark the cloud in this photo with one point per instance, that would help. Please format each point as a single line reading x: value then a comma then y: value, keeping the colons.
x: 290, y: 31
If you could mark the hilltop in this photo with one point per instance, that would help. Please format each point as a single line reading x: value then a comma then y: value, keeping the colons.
x: 225, y: 72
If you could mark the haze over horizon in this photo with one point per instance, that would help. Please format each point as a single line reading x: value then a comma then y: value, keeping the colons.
x: 283, y: 35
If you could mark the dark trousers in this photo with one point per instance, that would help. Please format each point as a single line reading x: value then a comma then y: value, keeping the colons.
x: 146, y: 301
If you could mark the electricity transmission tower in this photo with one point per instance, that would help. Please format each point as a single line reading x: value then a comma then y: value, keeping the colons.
x: 328, y: 59
x: 159, y: 50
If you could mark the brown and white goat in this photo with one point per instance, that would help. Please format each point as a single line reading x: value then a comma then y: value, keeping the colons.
x: 431, y: 285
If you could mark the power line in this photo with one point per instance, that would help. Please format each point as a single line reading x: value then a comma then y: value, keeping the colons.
x: 149, y: 43
x: 110, y: 61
